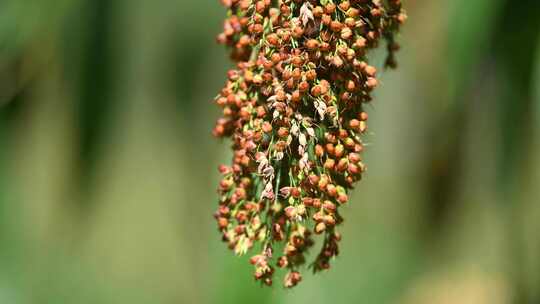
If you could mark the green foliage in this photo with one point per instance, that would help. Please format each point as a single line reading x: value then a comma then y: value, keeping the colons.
x: 107, y: 166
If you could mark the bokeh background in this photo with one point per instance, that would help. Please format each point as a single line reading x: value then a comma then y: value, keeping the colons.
x: 108, y: 169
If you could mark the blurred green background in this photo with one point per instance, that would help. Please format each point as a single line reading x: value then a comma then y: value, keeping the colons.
x: 108, y: 169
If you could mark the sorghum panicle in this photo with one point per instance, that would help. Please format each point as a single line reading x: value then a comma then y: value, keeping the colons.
x: 294, y: 109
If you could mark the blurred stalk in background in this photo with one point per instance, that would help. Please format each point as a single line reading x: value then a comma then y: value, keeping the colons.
x: 108, y: 169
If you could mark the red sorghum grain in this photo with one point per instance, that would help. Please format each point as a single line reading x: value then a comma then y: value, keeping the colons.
x: 294, y: 109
